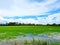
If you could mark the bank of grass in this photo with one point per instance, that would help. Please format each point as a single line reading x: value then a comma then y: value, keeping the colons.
x: 13, y: 31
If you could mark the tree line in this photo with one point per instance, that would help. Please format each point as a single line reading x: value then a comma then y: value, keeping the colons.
x: 23, y: 24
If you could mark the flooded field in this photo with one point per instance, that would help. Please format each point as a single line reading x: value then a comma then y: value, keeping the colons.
x: 30, y: 39
x: 30, y: 35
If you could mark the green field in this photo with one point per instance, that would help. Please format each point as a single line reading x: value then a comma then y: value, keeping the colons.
x: 13, y: 31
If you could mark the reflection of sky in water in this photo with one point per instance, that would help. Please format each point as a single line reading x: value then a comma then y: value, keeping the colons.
x: 30, y: 37
x: 43, y: 37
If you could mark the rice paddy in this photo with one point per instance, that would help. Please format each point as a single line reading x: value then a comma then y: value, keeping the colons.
x: 29, y: 35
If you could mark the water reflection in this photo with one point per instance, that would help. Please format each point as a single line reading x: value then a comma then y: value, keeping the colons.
x: 32, y: 39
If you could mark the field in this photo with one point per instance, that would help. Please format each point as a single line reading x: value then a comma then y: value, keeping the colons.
x: 11, y: 32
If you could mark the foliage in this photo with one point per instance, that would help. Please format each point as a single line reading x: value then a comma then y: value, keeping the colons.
x: 22, y: 24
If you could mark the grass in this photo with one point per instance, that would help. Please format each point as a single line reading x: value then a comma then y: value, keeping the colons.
x: 8, y: 32
x: 13, y: 31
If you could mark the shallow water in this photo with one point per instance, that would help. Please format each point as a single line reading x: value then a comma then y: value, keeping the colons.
x: 28, y: 38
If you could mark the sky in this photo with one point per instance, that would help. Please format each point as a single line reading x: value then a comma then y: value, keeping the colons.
x: 30, y: 11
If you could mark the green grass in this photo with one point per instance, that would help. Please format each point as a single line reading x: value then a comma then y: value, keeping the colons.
x: 13, y: 31
x: 8, y: 32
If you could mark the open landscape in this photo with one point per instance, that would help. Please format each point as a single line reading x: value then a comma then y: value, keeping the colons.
x: 11, y: 31
x: 29, y: 22
x: 37, y: 35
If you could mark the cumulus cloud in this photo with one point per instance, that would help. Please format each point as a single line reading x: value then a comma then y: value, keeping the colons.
x: 27, y: 21
x: 25, y: 7
x: 54, y: 18
x: 30, y: 8
x: 2, y: 20
x: 50, y: 19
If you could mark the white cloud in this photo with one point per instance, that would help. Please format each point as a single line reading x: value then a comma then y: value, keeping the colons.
x: 40, y: 20
x: 23, y: 8
x: 2, y: 20
x: 27, y: 21
x: 50, y: 20
x: 20, y: 20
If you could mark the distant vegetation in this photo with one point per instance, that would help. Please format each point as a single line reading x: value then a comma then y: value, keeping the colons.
x: 23, y: 24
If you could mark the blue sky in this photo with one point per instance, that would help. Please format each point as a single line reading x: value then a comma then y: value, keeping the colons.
x: 30, y: 11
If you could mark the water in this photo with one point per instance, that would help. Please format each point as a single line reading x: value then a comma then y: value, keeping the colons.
x: 29, y: 38
x: 45, y: 37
